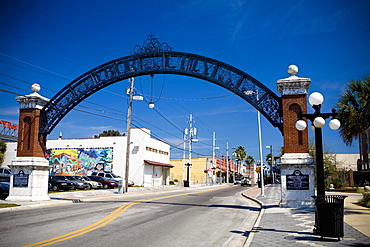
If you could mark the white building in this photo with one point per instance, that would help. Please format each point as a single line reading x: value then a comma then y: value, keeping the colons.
x: 347, y: 161
x: 149, y: 158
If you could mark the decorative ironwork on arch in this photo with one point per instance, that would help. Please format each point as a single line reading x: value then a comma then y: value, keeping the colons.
x: 158, y: 58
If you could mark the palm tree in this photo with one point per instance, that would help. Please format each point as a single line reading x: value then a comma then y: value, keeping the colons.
x: 354, y: 109
x: 249, y: 160
x: 241, y: 153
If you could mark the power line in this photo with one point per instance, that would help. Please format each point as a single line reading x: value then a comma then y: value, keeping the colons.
x: 9, y: 92
x: 19, y: 60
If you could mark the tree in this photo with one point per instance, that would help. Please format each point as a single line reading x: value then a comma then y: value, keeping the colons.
x: 354, y: 109
x: 332, y: 174
x: 268, y: 158
x: 249, y: 160
x: 2, y: 151
x: 240, y: 153
x: 109, y: 133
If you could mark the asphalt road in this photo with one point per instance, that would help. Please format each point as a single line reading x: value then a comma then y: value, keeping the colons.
x: 203, y: 217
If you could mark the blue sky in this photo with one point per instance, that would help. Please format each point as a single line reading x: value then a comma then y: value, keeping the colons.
x: 54, y: 42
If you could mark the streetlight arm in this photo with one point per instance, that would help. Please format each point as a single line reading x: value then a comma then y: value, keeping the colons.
x: 317, y: 113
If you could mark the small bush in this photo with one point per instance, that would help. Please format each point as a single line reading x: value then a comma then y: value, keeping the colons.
x: 365, y: 201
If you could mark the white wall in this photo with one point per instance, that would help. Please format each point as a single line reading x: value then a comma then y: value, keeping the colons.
x: 347, y: 161
x: 140, y: 139
x: 11, y: 153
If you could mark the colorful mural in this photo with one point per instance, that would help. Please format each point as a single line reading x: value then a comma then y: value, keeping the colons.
x: 80, y: 161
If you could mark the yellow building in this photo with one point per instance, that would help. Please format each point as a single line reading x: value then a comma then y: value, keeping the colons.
x: 197, y: 174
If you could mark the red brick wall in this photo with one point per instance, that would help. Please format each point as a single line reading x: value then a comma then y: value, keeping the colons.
x: 294, y: 141
x: 29, y: 144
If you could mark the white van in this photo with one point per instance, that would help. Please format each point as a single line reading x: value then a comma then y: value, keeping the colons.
x: 108, y: 175
x: 111, y: 176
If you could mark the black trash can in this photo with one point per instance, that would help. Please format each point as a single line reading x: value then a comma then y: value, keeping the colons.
x: 330, y: 215
x: 186, y: 183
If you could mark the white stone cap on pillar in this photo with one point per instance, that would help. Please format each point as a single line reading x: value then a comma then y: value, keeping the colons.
x: 293, y: 84
x: 29, y: 162
x: 33, y: 100
x: 296, y: 158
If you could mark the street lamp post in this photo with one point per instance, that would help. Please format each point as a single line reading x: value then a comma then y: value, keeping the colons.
x: 318, y: 121
x: 187, y: 183
x: 249, y: 93
x: 271, y: 164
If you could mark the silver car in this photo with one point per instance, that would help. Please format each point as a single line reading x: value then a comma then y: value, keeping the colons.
x: 93, y: 184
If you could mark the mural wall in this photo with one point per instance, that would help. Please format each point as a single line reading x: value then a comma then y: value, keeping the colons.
x: 80, y: 161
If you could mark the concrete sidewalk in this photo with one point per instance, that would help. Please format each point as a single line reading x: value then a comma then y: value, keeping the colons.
x: 294, y: 226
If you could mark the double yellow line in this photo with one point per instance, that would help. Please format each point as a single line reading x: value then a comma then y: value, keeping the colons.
x: 109, y: 218
x: 86, y: 229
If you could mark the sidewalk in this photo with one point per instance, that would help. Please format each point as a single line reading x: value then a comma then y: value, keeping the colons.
x: 293, y: 226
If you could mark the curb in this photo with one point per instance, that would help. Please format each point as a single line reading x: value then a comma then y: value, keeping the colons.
x: 256, y: 223
x: 37, y: 205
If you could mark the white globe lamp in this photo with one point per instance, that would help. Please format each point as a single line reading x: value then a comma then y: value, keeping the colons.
x: 301, y: 125
x: 319, y: 122
x: 334, y: 124
x: 316, y: 98
x: 151, y: 105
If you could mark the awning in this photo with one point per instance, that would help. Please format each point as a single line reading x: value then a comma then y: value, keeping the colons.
x: 154, y: 163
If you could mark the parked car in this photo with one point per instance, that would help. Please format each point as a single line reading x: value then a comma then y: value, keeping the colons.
x: 107, y: 184
x: 4, y: 187
x: 77, y: 183
x: 56, y: 184
x: 93, y: 184
x: 111, y: 176
x: 246, y: 181
x: 108, y: 175
x: 5, y: 172
x: 238, y: 181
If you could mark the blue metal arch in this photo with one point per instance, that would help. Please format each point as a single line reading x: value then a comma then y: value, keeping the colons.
x: 158, y: 58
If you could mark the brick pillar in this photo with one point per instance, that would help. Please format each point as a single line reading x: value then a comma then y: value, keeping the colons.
x: 295, y: 141
x: 29, y: 179
x: 296, y: 168
x: 294, y: 91
x: 29, y: 142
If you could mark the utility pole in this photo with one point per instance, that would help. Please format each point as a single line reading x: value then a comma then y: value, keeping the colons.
x: 184, y: 153
x: 192, y: 132
x: 214, y: 156
x: 129, y: 116
x: 227, y: 162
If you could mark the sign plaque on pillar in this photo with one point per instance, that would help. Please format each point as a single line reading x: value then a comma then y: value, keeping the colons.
x: 20, y: 179
x: 297, y: 181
